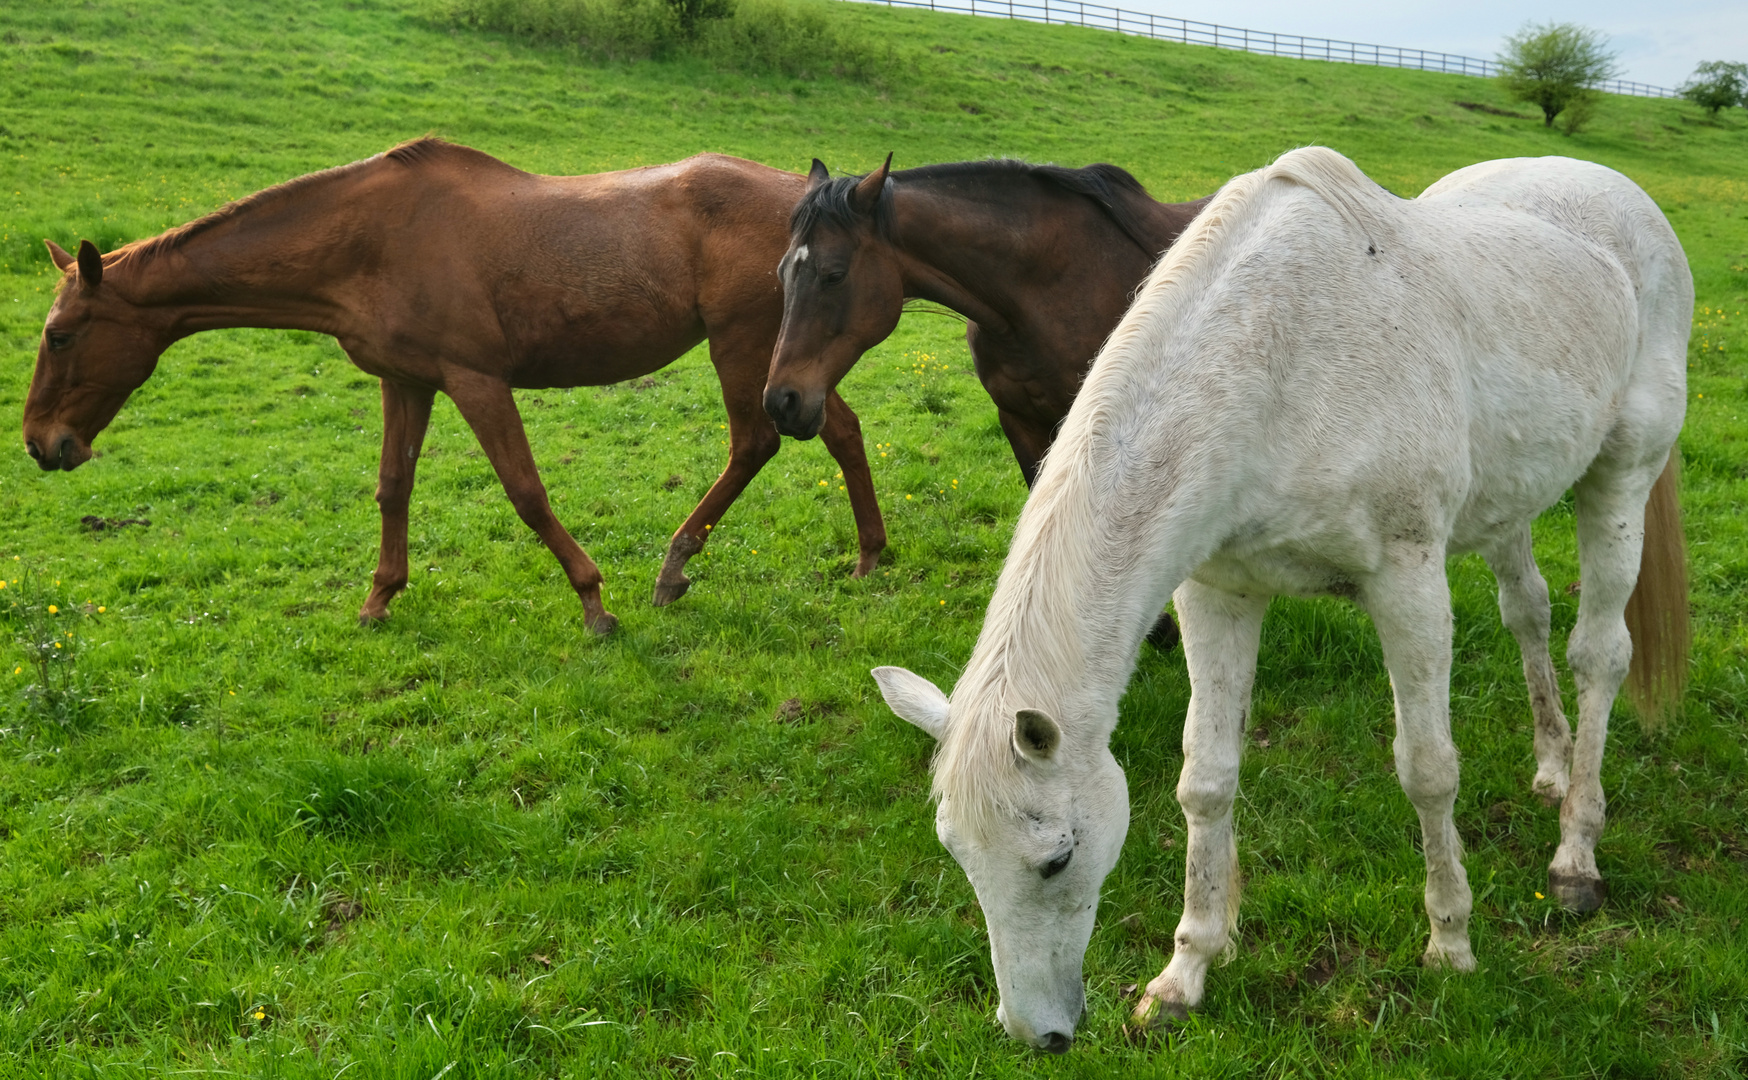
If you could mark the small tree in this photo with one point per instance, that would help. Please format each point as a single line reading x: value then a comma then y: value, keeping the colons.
x: 1717, y: 84
x: 1554, y: 67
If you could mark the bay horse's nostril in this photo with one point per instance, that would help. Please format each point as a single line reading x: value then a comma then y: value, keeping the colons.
x: 32, y: 449
x: 781, y: 403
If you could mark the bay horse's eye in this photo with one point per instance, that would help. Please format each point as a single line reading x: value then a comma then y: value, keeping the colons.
x: 1057, y: 865
x: 59, y: 341
x: 834, y: 277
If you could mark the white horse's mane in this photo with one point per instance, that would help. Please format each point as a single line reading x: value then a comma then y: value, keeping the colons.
x: 1035, y: 637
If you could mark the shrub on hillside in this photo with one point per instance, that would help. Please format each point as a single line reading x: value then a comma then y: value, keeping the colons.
x: 1555, y: 67
x: 1716, y: 85
x: 794, y: 37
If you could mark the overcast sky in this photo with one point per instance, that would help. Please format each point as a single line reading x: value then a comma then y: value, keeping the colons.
x: 1658, y: 41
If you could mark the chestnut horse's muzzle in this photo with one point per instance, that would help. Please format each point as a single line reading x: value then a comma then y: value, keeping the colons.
x: 794, y: 416
x: 66, y: 453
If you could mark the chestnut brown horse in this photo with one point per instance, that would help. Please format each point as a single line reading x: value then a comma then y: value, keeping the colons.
x: 440, y: 268
x: 1041, y: 260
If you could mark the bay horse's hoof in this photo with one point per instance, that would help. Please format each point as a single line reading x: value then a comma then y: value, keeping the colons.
x: 1576, y: 893
x: 866, y: 564
x: 368, y: 618
x: 1164, y: 635
x: 666, y: 592
x: 604, y: 623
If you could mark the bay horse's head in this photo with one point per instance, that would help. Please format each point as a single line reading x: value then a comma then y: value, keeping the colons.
x: 95, y: 351
x: 843, y: 293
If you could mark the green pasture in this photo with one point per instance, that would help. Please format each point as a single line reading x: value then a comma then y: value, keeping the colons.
x: 247, y: 838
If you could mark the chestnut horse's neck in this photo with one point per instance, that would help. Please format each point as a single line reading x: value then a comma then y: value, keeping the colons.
x: 288, y: 257
x: 987, y: 238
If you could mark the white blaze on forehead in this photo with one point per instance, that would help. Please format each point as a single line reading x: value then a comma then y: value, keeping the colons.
x: 801, y: 254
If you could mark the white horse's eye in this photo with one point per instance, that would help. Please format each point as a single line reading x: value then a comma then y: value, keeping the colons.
x: 1057, y: 865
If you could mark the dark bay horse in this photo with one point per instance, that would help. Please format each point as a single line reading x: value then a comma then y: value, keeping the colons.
x: 440, y: 268
x: 1041, y: 260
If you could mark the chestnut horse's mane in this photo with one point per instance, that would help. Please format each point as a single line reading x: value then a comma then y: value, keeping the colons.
x: 1111, y: 188
x: 411, y: 153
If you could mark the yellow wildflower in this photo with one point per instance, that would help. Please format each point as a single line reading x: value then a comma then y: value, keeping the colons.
x: 101, y: 610
x: 53, y: 610
x: 1538, y: 896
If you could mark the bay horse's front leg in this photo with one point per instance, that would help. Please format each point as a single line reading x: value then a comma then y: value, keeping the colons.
x: 741, y: 359
x: 490, y: 410
x: 1222, y: 632
x: 842, y: 435
x: 1410, y: 604
x: 406, y: 412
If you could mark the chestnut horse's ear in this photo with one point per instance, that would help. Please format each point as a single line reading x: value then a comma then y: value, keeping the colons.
x: 59, y: 254
x: 90, y: 264
x: 867, y: 193
x: 817, y: 175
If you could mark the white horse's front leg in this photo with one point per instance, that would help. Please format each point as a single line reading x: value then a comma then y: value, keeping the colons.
x: 1410, y: 603
x: 1220, y: 636
x: 1523, y: 605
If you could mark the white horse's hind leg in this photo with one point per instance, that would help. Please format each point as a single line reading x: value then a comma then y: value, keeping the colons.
x: 1611, y: 532
x: 1524, y: 607
x: 1410, y: 603
x: 1220, y: 637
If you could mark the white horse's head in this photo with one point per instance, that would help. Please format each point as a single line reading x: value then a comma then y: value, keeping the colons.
x: 1036, y: 865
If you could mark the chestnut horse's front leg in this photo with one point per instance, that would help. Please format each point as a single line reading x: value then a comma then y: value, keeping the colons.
x: 842, y: 434
x: 406, y: 411
x: 490, y: 410
x: 741, y: 359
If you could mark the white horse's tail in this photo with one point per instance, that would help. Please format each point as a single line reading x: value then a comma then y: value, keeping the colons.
x: 1657, y: 611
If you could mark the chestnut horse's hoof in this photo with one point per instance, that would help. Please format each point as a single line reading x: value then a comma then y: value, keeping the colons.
x: 1164, y: 635
x: 604, y: 623
x: 368, y: 618
x: 666, y: 592
x: 1576, y: 893
x: 866, y: 564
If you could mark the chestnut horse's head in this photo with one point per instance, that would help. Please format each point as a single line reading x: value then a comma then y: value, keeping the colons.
x: 95, y: 351
x: 843, y: 292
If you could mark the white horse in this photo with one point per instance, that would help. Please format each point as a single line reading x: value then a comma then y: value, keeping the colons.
x: 1323, y: 390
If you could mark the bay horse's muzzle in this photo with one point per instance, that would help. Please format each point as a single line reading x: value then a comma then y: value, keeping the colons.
x: 793, y: 416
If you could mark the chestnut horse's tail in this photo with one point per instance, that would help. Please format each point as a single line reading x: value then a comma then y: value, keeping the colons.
x: 1657, y: 611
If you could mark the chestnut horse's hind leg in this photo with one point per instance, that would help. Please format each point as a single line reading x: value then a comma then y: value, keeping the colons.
x: 842, y: 435
x: 490, y: 410
x: 406, y: 410
x: 740, y: 361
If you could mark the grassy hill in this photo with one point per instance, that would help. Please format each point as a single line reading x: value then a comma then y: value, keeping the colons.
x: 262, y: 841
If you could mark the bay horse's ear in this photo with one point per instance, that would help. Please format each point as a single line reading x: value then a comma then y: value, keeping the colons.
x: 59, y: 254
x: 90, y: 264
x: 914, y: 698
x: 1036, y: 735
x: 867, y: 193
x: 817, y: 175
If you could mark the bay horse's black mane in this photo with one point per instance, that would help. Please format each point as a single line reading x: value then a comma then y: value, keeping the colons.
x: 412, y: 152
x: 1109, y: 187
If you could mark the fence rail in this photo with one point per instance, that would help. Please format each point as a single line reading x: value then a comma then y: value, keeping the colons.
x: 1191, y: 32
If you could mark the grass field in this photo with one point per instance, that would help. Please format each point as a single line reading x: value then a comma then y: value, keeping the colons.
x: 258, y: 840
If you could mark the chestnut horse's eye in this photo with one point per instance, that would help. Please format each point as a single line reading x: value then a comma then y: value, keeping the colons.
x: 1057, y: 865
x: 59, y: 341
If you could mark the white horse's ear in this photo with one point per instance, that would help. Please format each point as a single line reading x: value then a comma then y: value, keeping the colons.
x: 1036, y: 736
x: 914, y: 698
